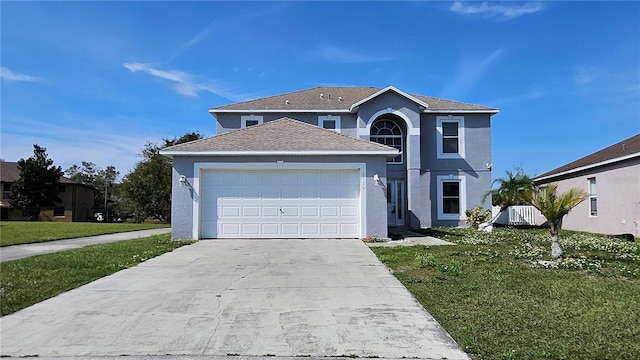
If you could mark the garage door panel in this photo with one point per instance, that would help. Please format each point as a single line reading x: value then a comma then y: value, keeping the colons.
x: 270, y: 211
x: 290, y: 229
x: 348, y: 211
x: 329, y: 211
x: 295, y: 204
x: 310, y: 211
x: 250, y: 211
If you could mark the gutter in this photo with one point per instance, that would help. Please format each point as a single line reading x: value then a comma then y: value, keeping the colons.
x: 587, y: 167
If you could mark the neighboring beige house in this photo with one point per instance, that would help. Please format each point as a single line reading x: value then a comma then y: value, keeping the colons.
x: 611, y: 177
x: 76, y: 205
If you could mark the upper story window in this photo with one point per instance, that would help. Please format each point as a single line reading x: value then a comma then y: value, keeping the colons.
x: 387, y: 132
x: 6, y: 191
x: 451, y: 199
x: 329, y: 122
x: 450, y: 132
x: 593, y: 197
x: 250, y: 120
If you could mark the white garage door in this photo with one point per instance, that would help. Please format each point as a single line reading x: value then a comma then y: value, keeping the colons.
x: 280, y: 204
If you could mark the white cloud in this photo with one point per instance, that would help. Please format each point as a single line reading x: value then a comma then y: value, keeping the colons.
x: 102, y: 145
x: 185, y: 84
x: 336, y: 54
x: 496, y: 9
x: 9, y: 75
x: 471, y: 70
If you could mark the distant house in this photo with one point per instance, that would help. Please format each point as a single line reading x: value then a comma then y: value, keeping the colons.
x: 76, y: 205
x: 338, y: 162
x: 611, y: 176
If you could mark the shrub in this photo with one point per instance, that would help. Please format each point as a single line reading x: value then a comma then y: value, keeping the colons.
x: 477, y: 216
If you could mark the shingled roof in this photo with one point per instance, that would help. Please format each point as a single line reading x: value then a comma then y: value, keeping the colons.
x: 339, y: 99
x: 617, y: 152
x: 9, y: 173
x: 280, y: 136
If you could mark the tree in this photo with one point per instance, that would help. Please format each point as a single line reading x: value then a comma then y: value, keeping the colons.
x: 148, y: 187
x: 37, y: 184
x: 103, y: 180
x: 554, y: 207
x: 510, y: 192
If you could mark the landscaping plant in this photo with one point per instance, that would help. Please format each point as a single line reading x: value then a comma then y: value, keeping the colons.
x: 554, y: 207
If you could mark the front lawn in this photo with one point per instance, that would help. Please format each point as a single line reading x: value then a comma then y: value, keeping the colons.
x: 28, y: 281
x: 501, y: 297
x: 24, y: 232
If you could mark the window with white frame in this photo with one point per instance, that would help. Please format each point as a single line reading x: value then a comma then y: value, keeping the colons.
x: 250, y: 120
x: 450, y: 141
x: 593, y: 197
x: 389, y: 133
x: 329, y: 122
x: 451, y: 197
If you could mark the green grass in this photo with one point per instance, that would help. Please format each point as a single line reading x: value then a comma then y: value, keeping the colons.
x: 501, y: 297
x: 28, y: 281
x: 24, y: 232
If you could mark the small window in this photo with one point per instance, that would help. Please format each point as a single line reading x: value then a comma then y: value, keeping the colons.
x: 593, y: 197
x: 58, y: 211
x: 329, y: 122
x: 62, y: 188
x: 450, y: 139
x: 6, y: 191
x: 451, y: 199
x: 250, y: 120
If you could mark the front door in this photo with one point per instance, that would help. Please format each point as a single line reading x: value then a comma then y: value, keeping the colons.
x: 395, y: 202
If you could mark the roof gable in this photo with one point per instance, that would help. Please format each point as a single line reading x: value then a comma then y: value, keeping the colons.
x: 617, y: 152
x: 389, y: 88
x: 284, y: 135
x: 341, y: 99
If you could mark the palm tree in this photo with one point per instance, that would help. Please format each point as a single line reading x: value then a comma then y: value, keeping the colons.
x: 510, y: 191
x: 554, y: 207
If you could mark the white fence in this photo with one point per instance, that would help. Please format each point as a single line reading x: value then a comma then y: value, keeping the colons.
x: 518, y: 215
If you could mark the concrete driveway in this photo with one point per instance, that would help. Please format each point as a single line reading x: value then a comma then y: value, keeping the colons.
x: 244, y: 297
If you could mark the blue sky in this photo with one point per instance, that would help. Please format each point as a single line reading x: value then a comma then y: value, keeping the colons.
x: 94, y: 81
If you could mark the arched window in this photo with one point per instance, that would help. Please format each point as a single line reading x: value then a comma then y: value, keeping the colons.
x: 387, y: 132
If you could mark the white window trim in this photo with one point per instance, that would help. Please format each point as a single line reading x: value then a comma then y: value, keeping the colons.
x: 322, y: 119
x: 245, y: 118
x: 403, y: 142
x: 463, y: 201
x: 592, y: 195
x: 460, y: 121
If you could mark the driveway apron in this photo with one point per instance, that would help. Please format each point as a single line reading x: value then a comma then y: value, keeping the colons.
x: 322, y: 297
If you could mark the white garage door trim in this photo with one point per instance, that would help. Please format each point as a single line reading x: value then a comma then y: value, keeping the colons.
x: 201, y: 167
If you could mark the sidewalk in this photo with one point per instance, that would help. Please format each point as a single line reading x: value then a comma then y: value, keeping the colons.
x: 411, y: 238
x: 21, y: 251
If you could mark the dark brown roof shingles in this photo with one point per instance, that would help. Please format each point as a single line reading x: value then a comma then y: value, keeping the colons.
x: 334, y: 98
x: 284, y: 134
x: 623, y: 148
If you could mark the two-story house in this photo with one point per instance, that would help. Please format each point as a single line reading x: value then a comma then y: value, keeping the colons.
x: 76, y: 200
x: 341, y: 162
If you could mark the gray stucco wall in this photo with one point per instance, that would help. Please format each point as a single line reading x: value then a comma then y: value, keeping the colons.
x: 421, y: 165
x: 477, y: 141
x: 227, y: 122
x: 182, y: 205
